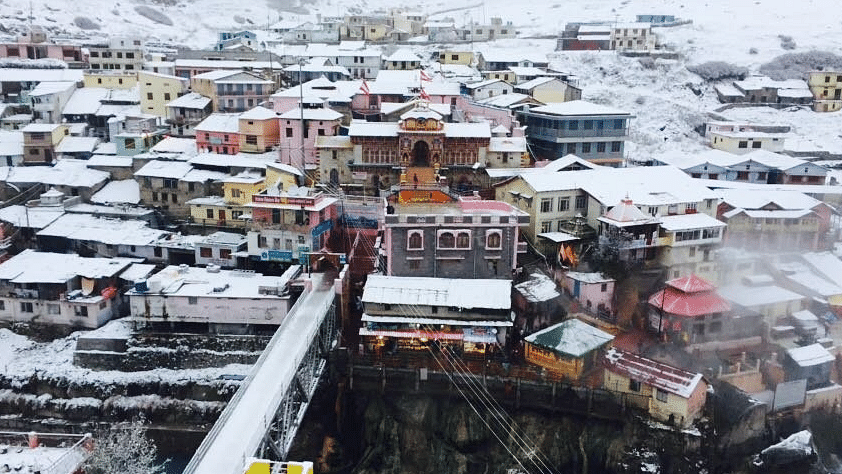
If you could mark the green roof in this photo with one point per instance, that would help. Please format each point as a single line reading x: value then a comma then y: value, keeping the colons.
x: 572, y: 337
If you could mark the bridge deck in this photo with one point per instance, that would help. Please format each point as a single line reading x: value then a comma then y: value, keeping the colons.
x: 242, y: 425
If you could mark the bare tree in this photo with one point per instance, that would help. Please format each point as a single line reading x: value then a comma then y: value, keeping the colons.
x: 124, y: 449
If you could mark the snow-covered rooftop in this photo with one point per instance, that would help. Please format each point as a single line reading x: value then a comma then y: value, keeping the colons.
x: 90, y: 228
x: 571, y: 337
x: 220, y: 123
x: 459, y: 293
x: 199, y: 282
x: 653, y: 373
x: 125, y: 191
x: 538, y: 288
x: 30, y: 266
x: 577, y: 107
x: 811, y: 355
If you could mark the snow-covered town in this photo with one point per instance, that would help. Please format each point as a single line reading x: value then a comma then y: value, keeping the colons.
x: 369, y: 237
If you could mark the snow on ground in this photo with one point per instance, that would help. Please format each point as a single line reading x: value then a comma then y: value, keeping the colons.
x: 20, y: 358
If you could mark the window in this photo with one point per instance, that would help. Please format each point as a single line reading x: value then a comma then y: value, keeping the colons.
x: 164, y: 197
x: 209, y: 213
x: 446, y: 240
x: 756, y: 144
x: 618, y: 124
x: 174, y: 197
x: 573, y: 125
x: 604, y: 287
x: 493, y: 241
x: 235, y: 193
x: 26, y: 307
x: 414, y: 264
x: 261, y: 241
x: 547, y: 205
x: 742, y: 175
x: 205, y: 252
x: 581, y: 202
x: 454, y: 57
x: 157, y: 251
x: 742, y: 144
x: 563, y: 204
x: 547, y: 226
x: 289, y: 132
x: 415, y: 240
x: 170, y: 183
x: 149, y: 96
x: 692, y: 251
x: 634, y: 385
x: 2, y: 305
x: 587, y: 124
x: 81, y: 311
x: 463, y: 240
x: 154, y: 197
x: 251, y: 139
x: 615, y: 147
x: 191, y: 187
x: 167, y: 96
x: 661, y: 395
x: 586, y: 147
x: 53, y: 308
x: 225, y: 254
x: 600, y: 147
x: 571, y: 148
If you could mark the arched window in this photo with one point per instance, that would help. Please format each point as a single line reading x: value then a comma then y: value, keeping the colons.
x: 493, y: 240
x: 415, y: 240
x: 446, y: 240
x: 463, y: 240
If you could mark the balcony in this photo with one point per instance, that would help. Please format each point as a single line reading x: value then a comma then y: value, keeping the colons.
x: 568, y: 136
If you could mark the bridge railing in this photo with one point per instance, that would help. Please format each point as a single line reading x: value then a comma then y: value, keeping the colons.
x: 229, y: 408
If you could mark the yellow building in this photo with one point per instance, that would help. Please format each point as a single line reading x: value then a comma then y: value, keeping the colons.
x: 826, y: 87
x: 569, y: 349
x: 506, y: 75
x: 667, y: 393
x: 40, y: 141
x: 110, y: 79
x: 465, y: 58
x: 156, y: 90
x: 227, y: 210
x: 282, y: 177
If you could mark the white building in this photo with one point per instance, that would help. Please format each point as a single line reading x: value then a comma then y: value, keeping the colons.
x: 213, y: 297
x: 61, y: 289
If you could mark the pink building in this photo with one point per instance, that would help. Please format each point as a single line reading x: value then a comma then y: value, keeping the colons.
x: 317, y: 122
x: 219, y: 133
x: 34, y: 45
x: 593, y: 291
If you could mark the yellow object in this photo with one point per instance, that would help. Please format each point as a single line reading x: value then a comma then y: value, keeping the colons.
x: 259, y: 467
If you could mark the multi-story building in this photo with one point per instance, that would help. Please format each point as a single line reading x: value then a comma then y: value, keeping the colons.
x: 187, y: 111
x: 636, y: 37
x: 826, y: 87
x: 403, y: 313
x: 258, y: 130
x: 288, y: 225
x: 565, y: 210
x: 110, y: 79
x: 47, y: 100
x: 593, y: 132
x: 299, y: 130
x: 402, y: 59
x: 219, y: 249
x: 220, y: 300
x: 219, y: 133
x: 378, y: 150
x: 60, y: 289
x: 120, y: 53
x: 232, y: 91
x: 40, y: 141
x: 493, y: 31
x: 227, y: 210
x: 432, y: 234
x: 34, y: 44
x: 169, y: 185
x: 157, y: 90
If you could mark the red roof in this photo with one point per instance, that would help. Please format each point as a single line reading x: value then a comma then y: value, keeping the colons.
x: 653, y: 373
x: 691, y: 284
x: 689, y: 304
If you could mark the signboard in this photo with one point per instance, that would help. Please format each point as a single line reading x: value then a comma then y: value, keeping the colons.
x: 358, y: 222
x: 359, y: 175
x: 343, y: 259
x: 323, y: 227
x: 295, y: 201
x: 277, y: 255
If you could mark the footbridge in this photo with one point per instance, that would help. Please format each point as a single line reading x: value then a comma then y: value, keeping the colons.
x: 263, y: 416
